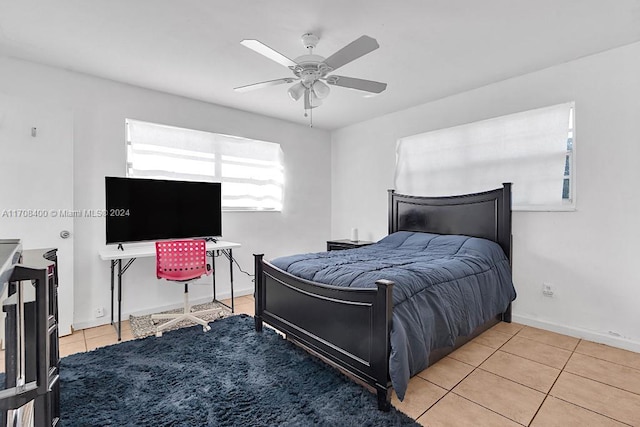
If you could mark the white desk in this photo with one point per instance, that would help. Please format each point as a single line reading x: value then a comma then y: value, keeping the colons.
x: 130, y: 252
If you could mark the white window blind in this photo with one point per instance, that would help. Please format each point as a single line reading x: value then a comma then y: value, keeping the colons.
x: 251, y: 171
x: 528, y: 149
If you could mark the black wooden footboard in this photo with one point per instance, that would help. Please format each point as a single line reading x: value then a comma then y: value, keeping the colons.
x: 349, y: 327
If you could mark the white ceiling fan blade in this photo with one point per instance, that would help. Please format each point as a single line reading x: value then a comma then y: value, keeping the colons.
x: 352, y: 51
x: 260, y: 85
x: 360, y: 84
x: 265, y: 50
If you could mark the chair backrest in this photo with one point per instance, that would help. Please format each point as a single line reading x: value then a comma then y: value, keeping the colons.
x: 181, y: 259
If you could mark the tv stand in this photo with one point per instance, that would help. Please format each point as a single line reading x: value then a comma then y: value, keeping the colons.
x: 211, y: 239
x: 120, y: 247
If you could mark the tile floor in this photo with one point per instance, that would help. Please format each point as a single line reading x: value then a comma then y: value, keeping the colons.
x: 512, y: 375
x: 515, y: 375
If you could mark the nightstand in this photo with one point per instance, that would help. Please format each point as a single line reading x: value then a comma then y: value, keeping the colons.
x: 337, y: 245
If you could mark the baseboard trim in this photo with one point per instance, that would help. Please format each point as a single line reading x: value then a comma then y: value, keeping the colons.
x: 125, y: 315
x: 619, y: 342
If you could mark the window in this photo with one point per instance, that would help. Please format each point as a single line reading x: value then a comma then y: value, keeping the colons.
x: 251, y: 171
x: 534, y: 150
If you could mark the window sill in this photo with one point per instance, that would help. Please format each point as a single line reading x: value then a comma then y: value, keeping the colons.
x: 568, y: 208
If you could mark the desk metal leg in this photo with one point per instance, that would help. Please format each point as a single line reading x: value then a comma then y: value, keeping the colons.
x: 113, y: 266
x: 213, y: 274
x: 229, y: 254
x: 121, y: 271
x: 119, y: 300
x: 231, y: 278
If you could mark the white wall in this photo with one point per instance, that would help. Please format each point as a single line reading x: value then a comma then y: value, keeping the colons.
x: 100, y: 108
x: 591, y: 256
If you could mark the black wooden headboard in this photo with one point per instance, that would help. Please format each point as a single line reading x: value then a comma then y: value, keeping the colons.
x: 486, y: 215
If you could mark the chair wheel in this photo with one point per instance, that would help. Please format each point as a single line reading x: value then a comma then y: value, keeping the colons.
x: 158, y: 334
x: 206, y: 328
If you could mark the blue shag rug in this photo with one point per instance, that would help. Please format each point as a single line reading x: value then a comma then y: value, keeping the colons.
x: 229, y: 376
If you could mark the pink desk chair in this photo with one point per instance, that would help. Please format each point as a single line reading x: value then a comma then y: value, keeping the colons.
x: 182, y: 261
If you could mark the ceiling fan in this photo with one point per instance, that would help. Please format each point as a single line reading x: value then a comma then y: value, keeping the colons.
x: 311, y: 71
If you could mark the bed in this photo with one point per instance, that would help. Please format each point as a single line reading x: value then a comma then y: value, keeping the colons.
x: 355, y: 326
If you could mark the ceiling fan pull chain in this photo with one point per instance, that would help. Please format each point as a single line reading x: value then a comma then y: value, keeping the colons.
x: 307, y: 102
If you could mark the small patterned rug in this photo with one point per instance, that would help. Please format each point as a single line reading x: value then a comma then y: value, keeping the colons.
x: 143, y: 326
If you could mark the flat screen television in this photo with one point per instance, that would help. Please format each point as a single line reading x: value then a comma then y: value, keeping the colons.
x: 139, y: 209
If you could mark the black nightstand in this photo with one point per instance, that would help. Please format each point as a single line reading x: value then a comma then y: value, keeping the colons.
x: 337, y: 245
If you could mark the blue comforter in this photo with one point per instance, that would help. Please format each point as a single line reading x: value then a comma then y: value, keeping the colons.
x: 445, y: 286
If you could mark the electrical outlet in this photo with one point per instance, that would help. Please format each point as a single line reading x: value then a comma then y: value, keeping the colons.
x: 99, y: 312
x: 547, y: 289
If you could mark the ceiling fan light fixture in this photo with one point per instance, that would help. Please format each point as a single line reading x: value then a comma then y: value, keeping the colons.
x: 320, y: 89
x: 296, y: 91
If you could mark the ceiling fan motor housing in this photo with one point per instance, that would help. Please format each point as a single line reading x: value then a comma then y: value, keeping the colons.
x: 310, y: 68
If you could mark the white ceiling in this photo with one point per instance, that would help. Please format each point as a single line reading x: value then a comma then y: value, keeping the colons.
x: 429, y: 49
